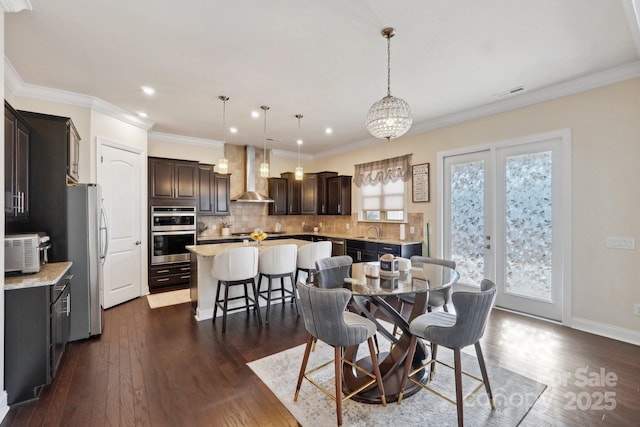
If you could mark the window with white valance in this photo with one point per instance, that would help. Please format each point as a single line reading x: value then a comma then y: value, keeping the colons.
x: 382, y: 189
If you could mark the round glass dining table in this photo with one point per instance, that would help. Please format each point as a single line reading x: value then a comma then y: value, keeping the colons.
x: 371, y: 291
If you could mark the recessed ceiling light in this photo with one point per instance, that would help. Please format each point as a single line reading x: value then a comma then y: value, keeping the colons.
x: 255, y: 114
x: 328, y: 131
x: 148, y: 90
x: 143, y: 114
x: 299, y: 142
x: 233, y: 130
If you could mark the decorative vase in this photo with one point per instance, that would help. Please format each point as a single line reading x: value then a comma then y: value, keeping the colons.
x: 225, y: 231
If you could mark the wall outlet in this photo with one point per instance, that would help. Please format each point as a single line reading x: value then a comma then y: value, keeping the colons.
x: 616, y: 242
x: 636, y: 309
x: 347, y: 225
x: 213, y: 227
x: 303, y: 224
x: 412, y: 230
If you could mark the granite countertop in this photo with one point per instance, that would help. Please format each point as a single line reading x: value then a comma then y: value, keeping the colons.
x: 213, y: 238
x: 210, y: 250
x: 49, y: 274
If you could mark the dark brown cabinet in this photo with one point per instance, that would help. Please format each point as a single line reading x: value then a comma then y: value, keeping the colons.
x: 16, y: 164
x: 172, y: 181
x: 278, y: 192
x: 37, y: 330
x: 309, y: 194
x: 294, y: 193
x: 213, y: 192
x: 73, y: 154
x: 169, y: 276
x: 49, y: 179
x: 339, y: 195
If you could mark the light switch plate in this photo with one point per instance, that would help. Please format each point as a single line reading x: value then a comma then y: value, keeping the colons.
x: 636, y: 309
x: 616, y: 242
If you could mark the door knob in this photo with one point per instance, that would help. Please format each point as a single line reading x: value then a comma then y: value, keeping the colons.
x: 487, y: 246
x: 138, y: 242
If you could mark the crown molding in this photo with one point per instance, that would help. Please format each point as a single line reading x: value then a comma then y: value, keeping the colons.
x: 593, y: 81
x: 632, y: 11
x: 15, y: 5
x: 188, y: 140
x: 14, y: 84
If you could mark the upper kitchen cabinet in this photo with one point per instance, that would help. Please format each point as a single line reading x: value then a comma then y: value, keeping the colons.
x: 314, y: 193
x: 50, y: 145
x: 73, y: 154
x: 339, y: 195
x: 16, y: 165
x: 173, y: 181
x: 213, y: 192
x: 294, y: 193
x: 309, y: 194
x: 278, y: 192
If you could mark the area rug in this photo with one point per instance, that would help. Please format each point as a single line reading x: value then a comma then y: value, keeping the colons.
x: 514, y: 395
x: 165, y: 299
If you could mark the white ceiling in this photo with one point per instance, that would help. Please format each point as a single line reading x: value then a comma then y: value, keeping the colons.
x: 323, y: 59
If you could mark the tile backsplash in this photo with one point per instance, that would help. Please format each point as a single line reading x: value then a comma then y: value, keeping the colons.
x: 248, y: 216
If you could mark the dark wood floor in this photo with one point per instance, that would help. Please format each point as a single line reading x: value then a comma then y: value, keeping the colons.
x: 162, y: 368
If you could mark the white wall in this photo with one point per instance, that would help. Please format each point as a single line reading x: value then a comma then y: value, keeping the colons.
x: 605, y: 126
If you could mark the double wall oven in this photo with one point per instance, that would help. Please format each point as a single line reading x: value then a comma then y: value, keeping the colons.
x: 172, y: 229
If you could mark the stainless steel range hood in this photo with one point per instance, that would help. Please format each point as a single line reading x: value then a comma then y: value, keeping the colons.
x: 251, y: 195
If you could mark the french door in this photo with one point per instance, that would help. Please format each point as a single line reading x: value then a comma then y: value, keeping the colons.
x: 504, y: 219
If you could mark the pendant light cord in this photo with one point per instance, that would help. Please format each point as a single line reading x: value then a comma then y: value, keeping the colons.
x: 388, y: 65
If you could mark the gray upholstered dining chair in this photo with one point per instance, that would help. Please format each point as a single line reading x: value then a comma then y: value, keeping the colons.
x: 325, y: 319
x: 454, y: 331
x: 332, y: 271
x: 439, y: 298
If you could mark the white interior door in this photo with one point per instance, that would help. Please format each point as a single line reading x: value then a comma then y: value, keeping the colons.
x: 504, y: 220
x: 120, y: 172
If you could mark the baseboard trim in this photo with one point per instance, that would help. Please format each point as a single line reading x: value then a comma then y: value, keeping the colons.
x: 614, y: 332
x: 4, y: 408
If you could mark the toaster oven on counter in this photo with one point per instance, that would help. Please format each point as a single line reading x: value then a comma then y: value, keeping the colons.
x: 26, y: 252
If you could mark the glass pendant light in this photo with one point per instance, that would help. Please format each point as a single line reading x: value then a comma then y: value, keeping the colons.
x: 390, y: 117
x: 264, y: 166
x: 299, y: 172
x: 223, y: 163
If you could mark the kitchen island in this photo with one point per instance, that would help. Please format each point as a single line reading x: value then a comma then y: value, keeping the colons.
x: 203, y: 285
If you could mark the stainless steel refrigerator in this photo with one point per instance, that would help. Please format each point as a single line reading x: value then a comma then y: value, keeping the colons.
x: 86, y: 231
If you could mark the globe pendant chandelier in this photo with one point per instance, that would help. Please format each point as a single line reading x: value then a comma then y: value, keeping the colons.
x: 390, y: 117
x: 223, y: 163
x: 264, y: 166
x: 299, y: 172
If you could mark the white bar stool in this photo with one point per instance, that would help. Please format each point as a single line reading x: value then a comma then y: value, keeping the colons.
x: 277, y: 262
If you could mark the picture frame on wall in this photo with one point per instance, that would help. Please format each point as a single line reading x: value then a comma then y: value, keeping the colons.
x: 420, y: 183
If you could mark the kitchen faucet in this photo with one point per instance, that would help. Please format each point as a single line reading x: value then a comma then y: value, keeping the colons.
x: 377, y: 229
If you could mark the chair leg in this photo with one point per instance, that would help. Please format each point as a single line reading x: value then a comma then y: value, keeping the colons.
x: 485, y: 377
x: 294, y: 290
x: 458, y: 373
x: 338, y: 362
x: 256, y: 301
x: 305, y: 360
x: 246, y: 297
x: 407, y: 366
x: 434, y: 351
x: 268, y: 299
x: 376, y: 371
x: 215, y: 306
x: 224, y: 308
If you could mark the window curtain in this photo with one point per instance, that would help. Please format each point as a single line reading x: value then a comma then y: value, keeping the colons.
x: 383, y: 171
